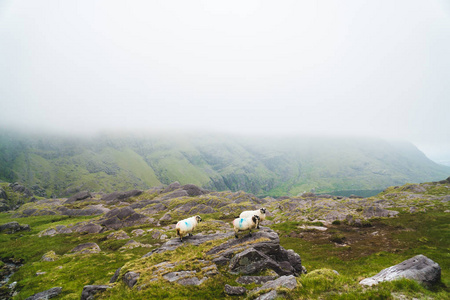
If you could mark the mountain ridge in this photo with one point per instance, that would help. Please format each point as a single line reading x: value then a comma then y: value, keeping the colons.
x: 274, y: 166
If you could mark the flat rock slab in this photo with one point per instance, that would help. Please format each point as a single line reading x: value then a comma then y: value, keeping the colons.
x: 419, y: 268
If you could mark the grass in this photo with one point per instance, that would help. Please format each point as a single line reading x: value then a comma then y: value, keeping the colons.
x: 336, y: 259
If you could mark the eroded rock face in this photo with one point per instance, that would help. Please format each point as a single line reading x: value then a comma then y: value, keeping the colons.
x: 419, y: 268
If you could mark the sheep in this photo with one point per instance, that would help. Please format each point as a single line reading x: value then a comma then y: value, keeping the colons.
x: 187, y: 226
x: 261, y: 213
x: 241, y: 224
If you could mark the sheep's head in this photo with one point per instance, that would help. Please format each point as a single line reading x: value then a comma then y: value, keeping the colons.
x: 255, y: 219
x: 198, y: 218
x: 262, y: 210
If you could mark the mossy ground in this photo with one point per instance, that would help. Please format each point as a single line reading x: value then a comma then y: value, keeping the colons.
x: 354, y: 252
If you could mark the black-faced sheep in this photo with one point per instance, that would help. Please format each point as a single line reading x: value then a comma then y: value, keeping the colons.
x: 241, y: 224
x: 261, y: 213
x: 186, y: 226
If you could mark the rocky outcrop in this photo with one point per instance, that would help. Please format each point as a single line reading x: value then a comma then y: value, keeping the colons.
x: 18, y: 188
x: 51, y: 293
x: 119, y: 196
x: 122, y: 217
x: 419, y: 268
x: 79, y: 196
x: 89, y: 291
x: 13, y: 227
x: 260, y: 251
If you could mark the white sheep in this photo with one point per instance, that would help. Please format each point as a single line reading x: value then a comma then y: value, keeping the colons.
x: 241, y: 224
x: 187, y: 226
x: 261, y: 213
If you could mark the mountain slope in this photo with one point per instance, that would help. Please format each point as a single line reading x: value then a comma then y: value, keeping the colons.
x: 263, y: 166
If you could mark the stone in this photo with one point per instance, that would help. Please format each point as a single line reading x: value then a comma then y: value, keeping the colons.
x: 89, y: 291
x: 115, y: 276
x: 419, y: 268
x: 269, y: 254
x: 192, y: 190
x: 172, y: 187
x: 272, y: 295
x: 116, y: 196
x: 87, y: 248
x: 3, y: 194
x: 53, y: 292
x: 13, y: 227
x: 78, y: 197
x: 90, y: 228
x: 131, y: 278
x: 118, y: 235
x: 122, y: 217
x: 234, y: 290
x: 175, y: 276
x: 288, y: 282
x: 138, y: 232
x: 167, y: 217
x: 191, y: 281
x: 374, y: 211
x: 254, y: 279
x: 49, y: 256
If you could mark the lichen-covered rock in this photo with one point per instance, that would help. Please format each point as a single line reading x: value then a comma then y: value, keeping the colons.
x: 419, y: 268
x: 116, y: 196
x: 89, y: 228
x: 13, y: 227
x: 122, y: 217
x: 254, y: 279
x: 53, y: 292
x: 89, y: 291
x: 59, y: 229
x: 79, y: 197
x: 50, y: 256
x: 234, y: 290
x: 115, y: 276
x: 288, y: 282
x: 118, y: 235
x: 131, y: 278
x: 87, y: 248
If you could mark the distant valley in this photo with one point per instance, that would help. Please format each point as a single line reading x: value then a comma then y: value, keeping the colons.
x: 59, y: 166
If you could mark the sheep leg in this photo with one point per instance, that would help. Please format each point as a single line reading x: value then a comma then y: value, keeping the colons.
x: 250, y: 232
x: 190, y: 234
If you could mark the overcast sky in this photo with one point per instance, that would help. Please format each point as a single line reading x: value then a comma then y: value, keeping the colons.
x: 378, y: 68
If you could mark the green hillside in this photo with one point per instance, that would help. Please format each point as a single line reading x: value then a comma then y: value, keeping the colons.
x: 275, y: 166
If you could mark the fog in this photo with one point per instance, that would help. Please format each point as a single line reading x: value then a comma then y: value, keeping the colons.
x: 372, y: 68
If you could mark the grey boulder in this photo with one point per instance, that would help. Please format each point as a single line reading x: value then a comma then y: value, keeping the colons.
x: 419, y: 268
